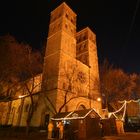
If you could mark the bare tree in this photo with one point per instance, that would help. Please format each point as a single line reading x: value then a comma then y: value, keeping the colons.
x: 33, y: 66
x: 135, y: 80
x: 115, y: 83
x: 70, y: 76
x: 17, y: 64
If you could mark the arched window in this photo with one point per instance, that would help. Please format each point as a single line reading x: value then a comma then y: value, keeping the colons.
x: 81, y: 107
x: 66, y: 26
x: 67, y: 15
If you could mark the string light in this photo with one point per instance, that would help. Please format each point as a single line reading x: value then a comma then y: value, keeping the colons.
x: 120, y: 108
x: 123, y: 117
x: 115, y: 112
x: 136, y: 101
x: 67, y: 117
x: 124, y: 106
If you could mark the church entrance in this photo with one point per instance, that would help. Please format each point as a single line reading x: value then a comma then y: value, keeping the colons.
x: 47, y: 117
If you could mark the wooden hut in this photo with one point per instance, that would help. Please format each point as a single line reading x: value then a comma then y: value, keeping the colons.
x: 80, y: 125
x: 109, y: 126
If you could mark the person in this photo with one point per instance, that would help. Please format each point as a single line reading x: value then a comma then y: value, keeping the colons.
x: 50, y: 129
x: 61, y: 130
x: 101, y: 129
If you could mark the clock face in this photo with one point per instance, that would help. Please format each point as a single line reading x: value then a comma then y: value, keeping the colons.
x: 81, y: 77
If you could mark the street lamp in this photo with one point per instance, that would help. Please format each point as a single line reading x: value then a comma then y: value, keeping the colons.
x: 21, y: 96
x: 98, y: 99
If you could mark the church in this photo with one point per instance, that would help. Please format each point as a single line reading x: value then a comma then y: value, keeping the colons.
x: 70, y: 77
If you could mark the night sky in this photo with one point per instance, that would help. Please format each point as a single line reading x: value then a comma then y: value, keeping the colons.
x: 115, y: 22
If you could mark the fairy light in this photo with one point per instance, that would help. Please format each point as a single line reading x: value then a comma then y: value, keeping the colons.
x: 124, y: 112
x: 123, y: 107
x: 115, y: 115
x: 123, y: 117
x: 109, y: 115
x: 69, y: 114
x: 136, y: 101
x: 97, y: 112
x: 67, y: 117
x: 120, y: 108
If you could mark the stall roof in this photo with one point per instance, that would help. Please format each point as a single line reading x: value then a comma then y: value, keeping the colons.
x: 78, y: 114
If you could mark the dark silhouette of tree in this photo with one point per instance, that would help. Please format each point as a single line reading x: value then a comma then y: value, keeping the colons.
x: 115, y: 83
x: 19, y: 65
x: 32, y: 68
x: 135, y: 78
x: 14, y: 64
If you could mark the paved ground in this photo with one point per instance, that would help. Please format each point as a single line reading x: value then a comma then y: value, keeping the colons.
x: 126, y: 136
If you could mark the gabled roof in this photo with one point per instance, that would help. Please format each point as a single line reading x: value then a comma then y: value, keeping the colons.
x: 74, y: 115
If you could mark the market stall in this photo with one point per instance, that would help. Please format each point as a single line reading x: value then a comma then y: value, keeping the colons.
x: 79, y: 125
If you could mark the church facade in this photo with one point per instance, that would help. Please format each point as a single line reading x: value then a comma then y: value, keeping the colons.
x: 70, y: 77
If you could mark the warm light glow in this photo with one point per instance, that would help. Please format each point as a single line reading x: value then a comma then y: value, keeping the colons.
x: 76, y: 117
x: 136, y: 101
x: 124, y: 112
x: 21, y: 96
x: 98, y: 99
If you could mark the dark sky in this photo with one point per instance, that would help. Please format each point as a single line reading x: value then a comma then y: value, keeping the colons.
x: 115, y: 22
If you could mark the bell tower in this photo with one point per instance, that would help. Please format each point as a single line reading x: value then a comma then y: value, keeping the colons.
x: 62, y: 29
x: 86, y: 52
x: 70, y: 71
x: 61, y: 48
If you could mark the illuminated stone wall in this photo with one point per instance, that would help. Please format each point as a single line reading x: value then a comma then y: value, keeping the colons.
x: 70, y: 74
x: 70, y: 63
x: 15, y: 111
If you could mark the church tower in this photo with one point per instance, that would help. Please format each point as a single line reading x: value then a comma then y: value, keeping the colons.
x: 60, y: 52
x: 70, y: 72
x: 86, y: 52
x: 70, y: 75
